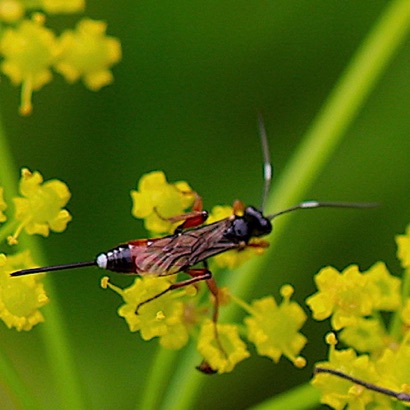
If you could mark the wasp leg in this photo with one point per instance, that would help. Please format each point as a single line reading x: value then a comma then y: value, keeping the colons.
x: 192, y: 219
x: 204, y: 367
x: 196, y: 217
x: 238, y: 207
x: 261, y: 244
x: 197, y: 275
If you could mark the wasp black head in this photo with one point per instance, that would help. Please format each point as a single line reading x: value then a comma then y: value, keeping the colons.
x: 251, y: 224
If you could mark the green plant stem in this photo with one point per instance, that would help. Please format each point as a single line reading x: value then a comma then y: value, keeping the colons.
x: 161, y: 371
x: 299, y: 398
x: 365, y: 69
x: 7, y: 229
x: 60, y: 359
x: 17, y: 391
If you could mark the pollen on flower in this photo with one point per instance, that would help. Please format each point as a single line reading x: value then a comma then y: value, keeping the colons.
x: 104, y: 282
x: 157, y: 200
x: 300, y: 362
x: 331, y: 339
x: 88, y: 53
x: 160, y: 315
x: 39, y: 208
x: 287, y: 291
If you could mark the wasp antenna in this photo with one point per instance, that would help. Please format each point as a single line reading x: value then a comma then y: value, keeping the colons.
x: 316, y: 204
x: 398, y: 395
x: 53, y: 268
x: 267, y: 166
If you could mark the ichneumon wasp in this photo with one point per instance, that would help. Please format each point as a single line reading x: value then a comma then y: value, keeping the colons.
x: 193, y: 242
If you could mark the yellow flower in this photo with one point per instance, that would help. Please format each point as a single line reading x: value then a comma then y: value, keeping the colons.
x: 39, y: 210
x: 274, y: 329
x: 383, y: 287
x: 405, y: 312
x: 156, y: 200
x: 393, y: 368
x: 29, y: 50
x: 11, y: 11
x: 367, y: 335
x: 88, y: 53
x: 162, y: 317
x: 403, y: 248
x: 339, y: 393
x: 231, y: 259
x: 345, y: 296
x: 3, y: 206
x: 20, y: 298
x: 210, y: 348
x: 63, y: 6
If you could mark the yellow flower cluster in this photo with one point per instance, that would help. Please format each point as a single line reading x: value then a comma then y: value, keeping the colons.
x: 37, y: 211
x: 176, y: 316
x: 30, y: 50
x: 379, y: 349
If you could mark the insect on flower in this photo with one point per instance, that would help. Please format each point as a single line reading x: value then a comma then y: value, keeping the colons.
x: 193, y: 242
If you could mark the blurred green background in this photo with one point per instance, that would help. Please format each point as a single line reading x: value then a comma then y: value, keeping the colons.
x: 185, y: 97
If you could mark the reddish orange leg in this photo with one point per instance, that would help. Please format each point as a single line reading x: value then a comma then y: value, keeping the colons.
x: 197, y: 275
x: 238, y: 207
x: 190, y: 219
x: 260, y: 244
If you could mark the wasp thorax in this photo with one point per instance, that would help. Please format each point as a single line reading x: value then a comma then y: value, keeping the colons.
x: 251, y: 224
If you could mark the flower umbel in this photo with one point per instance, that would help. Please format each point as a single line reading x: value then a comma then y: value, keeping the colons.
x: 343, y: 296
x: 162, y: 317
x: 20, y: 298
x: 274, y: 329
x: 157, y: 200
x: 29, y: 50
x: 222, y: 349
x: 173, y: 316
x: 37, y: 211
x: 40, y: 207
x: 384, y: 370
x: 88, y: 53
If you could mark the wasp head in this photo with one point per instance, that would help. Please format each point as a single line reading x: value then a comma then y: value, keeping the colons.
x: 251, y: 224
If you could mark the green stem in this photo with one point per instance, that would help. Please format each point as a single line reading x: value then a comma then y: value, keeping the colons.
x: 7, y: 229
x: 16, y: 390
x: 161, y: 371
x: 365, y: 69
x: 299, y: 398
x: 60, y: 359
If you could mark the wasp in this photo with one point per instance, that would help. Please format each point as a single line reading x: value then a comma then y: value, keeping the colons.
x: 194, y: 242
